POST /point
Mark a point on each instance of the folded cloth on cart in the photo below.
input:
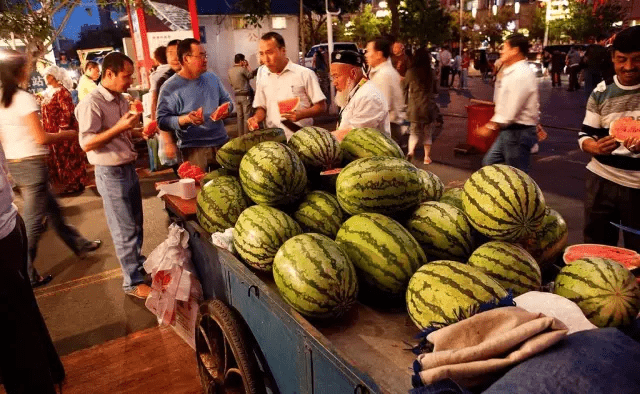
(473, 351)
(553, 305)
(224, 240)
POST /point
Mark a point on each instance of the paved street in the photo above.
(84, 304)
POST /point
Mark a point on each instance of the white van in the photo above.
(337, 46)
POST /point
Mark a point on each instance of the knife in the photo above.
(290, 125)
(625, 228)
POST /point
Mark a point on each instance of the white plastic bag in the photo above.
(164, 160)
(224, 240)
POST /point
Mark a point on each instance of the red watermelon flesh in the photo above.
(288, 105)
(626, 257)
(220, 111)
(136, 107)
(624, 128)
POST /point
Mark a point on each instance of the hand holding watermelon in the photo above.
(196, 117)
(135, 107)
(602, 146)
(221, 112)
(252, 123)
(151, 129)
(288, 107)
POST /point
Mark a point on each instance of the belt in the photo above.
(518, 126)
(29, 158)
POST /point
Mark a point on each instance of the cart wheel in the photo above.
(226, 366)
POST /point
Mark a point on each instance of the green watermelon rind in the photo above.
(230, 155)
(219, 203)
(433, 186)
(319, 212)
(368, 142)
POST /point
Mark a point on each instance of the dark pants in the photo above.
(444, 76)
(29, 362)
(556, 78)
(512, 147)
(607, 202)
(591, 79)
(573, 77)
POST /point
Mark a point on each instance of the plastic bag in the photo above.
(224, 240)
(164, 160)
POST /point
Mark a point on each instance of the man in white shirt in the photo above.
(517, 108)
(388, 81)
(445, 66)
(361, 103)
(285, 80)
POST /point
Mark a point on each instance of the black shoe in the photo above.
(89, 247)
(41, 281)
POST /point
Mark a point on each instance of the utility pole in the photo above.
(301, 26)
(333, 109)
(460, 47)
(545, 41)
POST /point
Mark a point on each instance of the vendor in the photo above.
(361, 103)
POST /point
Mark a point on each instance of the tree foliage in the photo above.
(423, 22)
(588, 20)
(494, 27)
(365, 26)
(538, 26)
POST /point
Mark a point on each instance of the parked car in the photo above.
(337, 46)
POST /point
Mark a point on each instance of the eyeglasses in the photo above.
(201, 56)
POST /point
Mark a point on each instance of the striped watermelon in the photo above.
(314, 276)
(453, 197)
(503, 203)
(445, 292)
(443, 231)
(215, 174)
(368, 142)
(272, 174)
(386, 185)
(319, 212)
(230, 154)
(606, 292)
(317, 148)
(432, 186)
(508, 264)
(219, 203)
(259, 233)
(549, 240)
(384, 252)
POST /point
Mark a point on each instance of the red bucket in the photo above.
(479, 115)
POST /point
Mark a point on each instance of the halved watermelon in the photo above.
(627, 257)
(624, 128)
(288, 105)
(220, 112)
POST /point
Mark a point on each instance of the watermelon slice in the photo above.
(199, 113)
(220, 112)
(136, 107)
(151, 129)
(626, 257)
(288, 105)
(624, 128)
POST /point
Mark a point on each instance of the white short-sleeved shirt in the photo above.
(293, 81)
(17, 139)
(367, 107)
(389, 83)
(516, 96)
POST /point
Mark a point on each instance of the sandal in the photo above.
(427, 161)
(41, 281)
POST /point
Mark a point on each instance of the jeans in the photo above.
(29, 362)
(120, 190)
(31, 176)
(243, 112)
(463, 78)
(512, 147)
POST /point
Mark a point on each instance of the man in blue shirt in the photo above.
(185, 105)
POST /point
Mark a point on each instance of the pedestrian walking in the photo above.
(399, 58)
(598, 65)
(557, 67)
(516, 111)
(161, 66)
(388, 81)
(445, 66)
(239, 76)
(464, 69)
(417, 88)
(573, 67)
(455, 69)
(613, 176)
(321, 66)
(88, 80)
(282, 80)
(483, 65)
(361, 103)
(186, 102)
(106, 134)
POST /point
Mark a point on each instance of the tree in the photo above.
(538, 26)
(588, 20)
(365, 26)
(494, 27)
(467, 26)
(423, 22)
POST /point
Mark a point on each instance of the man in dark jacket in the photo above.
(557, 65)
(599, 65)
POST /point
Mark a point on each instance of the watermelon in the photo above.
(230, 154)
(508, 264)
(624, 128)
(549, 240)
(432, 186)
(368, 142)
(150, 129)
(442, 230)
(606, 292)
(219, 203)
(318, 149)
(314, 276)
(453, 197)
(445, 292)
(319, 212)
(627, 257)
(215, 174)
(199, 113)
(386, 185)
(220, 111)
(384, 252)
(272, 174)
(503, 203)
(135, 107)
(288, 105)
(259, 233)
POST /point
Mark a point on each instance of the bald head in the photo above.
(342, 74)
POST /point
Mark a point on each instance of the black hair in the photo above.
(238, 58)
(628, 40)
(173, 43)
(115, 62)
(184, 48)
(519, 41)
(11, 67)
(422, 67)
(383, 45)
(160, 54)
(272, 35)
(91, 64)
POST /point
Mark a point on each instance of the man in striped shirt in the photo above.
(613, 179)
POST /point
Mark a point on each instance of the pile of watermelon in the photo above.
(388, 227)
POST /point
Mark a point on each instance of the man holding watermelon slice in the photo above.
(187, 103)
(613, 179)
(288, 96)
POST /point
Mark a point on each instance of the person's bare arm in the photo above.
(602, 146)
(41, 137)
(127, 122)
(254, 121)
